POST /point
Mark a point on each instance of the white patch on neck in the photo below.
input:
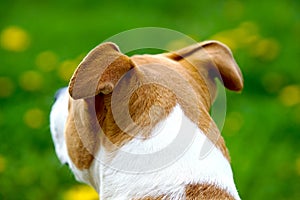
(161, 136)
(189, 168)
(58, 118)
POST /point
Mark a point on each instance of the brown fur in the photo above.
(190, 90)
(111, 64)
(205, 191)
(196, 192)
(148, 92)
(160, 197)
(77, 144)
(212, 59)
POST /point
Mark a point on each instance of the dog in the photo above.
(140, 128)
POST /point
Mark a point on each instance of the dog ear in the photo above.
(99, 71)
(215, 59)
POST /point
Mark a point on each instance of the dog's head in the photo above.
(124, 97)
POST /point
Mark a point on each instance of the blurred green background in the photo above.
(41, 42)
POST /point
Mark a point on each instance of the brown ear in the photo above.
(216, 58)
(99, 71)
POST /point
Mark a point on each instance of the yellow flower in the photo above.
(226, 39)
(290, 95)
(66, 69)
(243, 36)
(81, 192)
(46, 61)
(267, 49)
(34, 118)
(31, 80)
(14, 39)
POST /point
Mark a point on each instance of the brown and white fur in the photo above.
(116, 104)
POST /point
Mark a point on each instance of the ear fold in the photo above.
(216, 58)
(99, 71)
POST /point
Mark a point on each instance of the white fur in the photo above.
(58, 118)
(115, 176)
(169, 179)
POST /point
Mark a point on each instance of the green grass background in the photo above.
(262, 128)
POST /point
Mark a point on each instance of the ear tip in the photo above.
(237, 86)
(240, 87)
(234, 81)
(110, 45)
(240, 81)
(212, 42)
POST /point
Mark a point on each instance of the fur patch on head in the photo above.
(124, 97)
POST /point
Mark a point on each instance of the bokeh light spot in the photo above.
(226, 38)
(7, 87)
(46, 61)
(250, 26)
(266, 49)
(31, 81)
(34, 118)
(81, 192)
(14, 38)
(2, 164)
(67, 69)
(290, 95)
(241, 37)
(245, 35)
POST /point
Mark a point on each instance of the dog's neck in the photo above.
(139, 169)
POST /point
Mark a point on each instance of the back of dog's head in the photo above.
(125, 97)
(115, 103)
